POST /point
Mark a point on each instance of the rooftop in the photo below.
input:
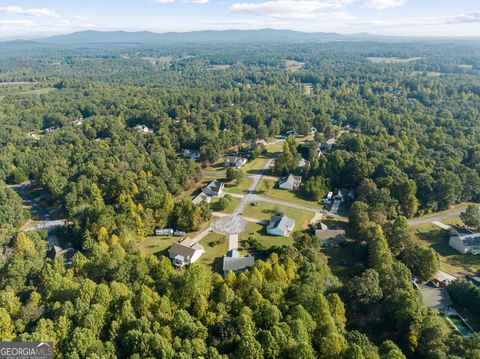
(282, 222)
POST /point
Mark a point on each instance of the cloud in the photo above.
(201, 2)
(80, 18)
(17, 10)
(164, 1)
(384, 4)
(296, 9)
(244, 23)
(423, 21)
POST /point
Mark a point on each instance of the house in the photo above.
(202, 197)
(78, 122)
(194, 155)
(329, 144)
(465, 242)
(236, 263)
(290, 182)
(214, 189)
(235, 161)
(303, 163)
(435, 298)
(262, 143)
(342, 194)
(443, 279)
(331, 237)
(163, 232)
(58, 252)
(184, 253)
(143, 128)
(34, 135)
(280, 226)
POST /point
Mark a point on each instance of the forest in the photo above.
(408, 145)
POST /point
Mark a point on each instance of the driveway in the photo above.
(439, 218)
(335, 206)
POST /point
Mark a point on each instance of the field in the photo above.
(292, 65)
(393, 60)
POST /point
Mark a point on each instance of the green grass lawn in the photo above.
(258, 231)
(231, 207)
(264, 211)
(241, 188)
(156, 245)
(274, 147)
(216, 168)
(284, 195)
(216, 245)
(253, 167)
(451, 261)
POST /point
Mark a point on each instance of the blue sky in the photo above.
(33, 18)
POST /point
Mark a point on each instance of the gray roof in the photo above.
(292, 179)
(437, 298)
(237, 263)
(214, 186)
(282, 222)
(183, 249)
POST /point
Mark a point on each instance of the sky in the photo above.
(37, 18)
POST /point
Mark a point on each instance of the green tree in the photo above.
(424, 262)
(471, 216)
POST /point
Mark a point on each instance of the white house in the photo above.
(235, 161)
(466, 243)
(194, 155)
(202, 197)
(183, 253)
(303, 163)
(290, 182)
(143, 128)
(280, 226)
(214, 189)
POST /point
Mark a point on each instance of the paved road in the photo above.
(439, 218)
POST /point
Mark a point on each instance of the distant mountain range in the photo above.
(208, 36)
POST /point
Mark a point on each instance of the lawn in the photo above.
(231, 207)
(153, 245)
(216, 245)
(264, 211)
(275, 147)
(215, 169)
(284, 195)
(451, 261)
(254, 166)
(242, 188)
(258, 231)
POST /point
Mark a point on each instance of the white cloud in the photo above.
(17, 10)
(297, 9)
(80, 18)
(422, 21)
(384, 4)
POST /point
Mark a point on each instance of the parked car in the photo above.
(178, 233)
